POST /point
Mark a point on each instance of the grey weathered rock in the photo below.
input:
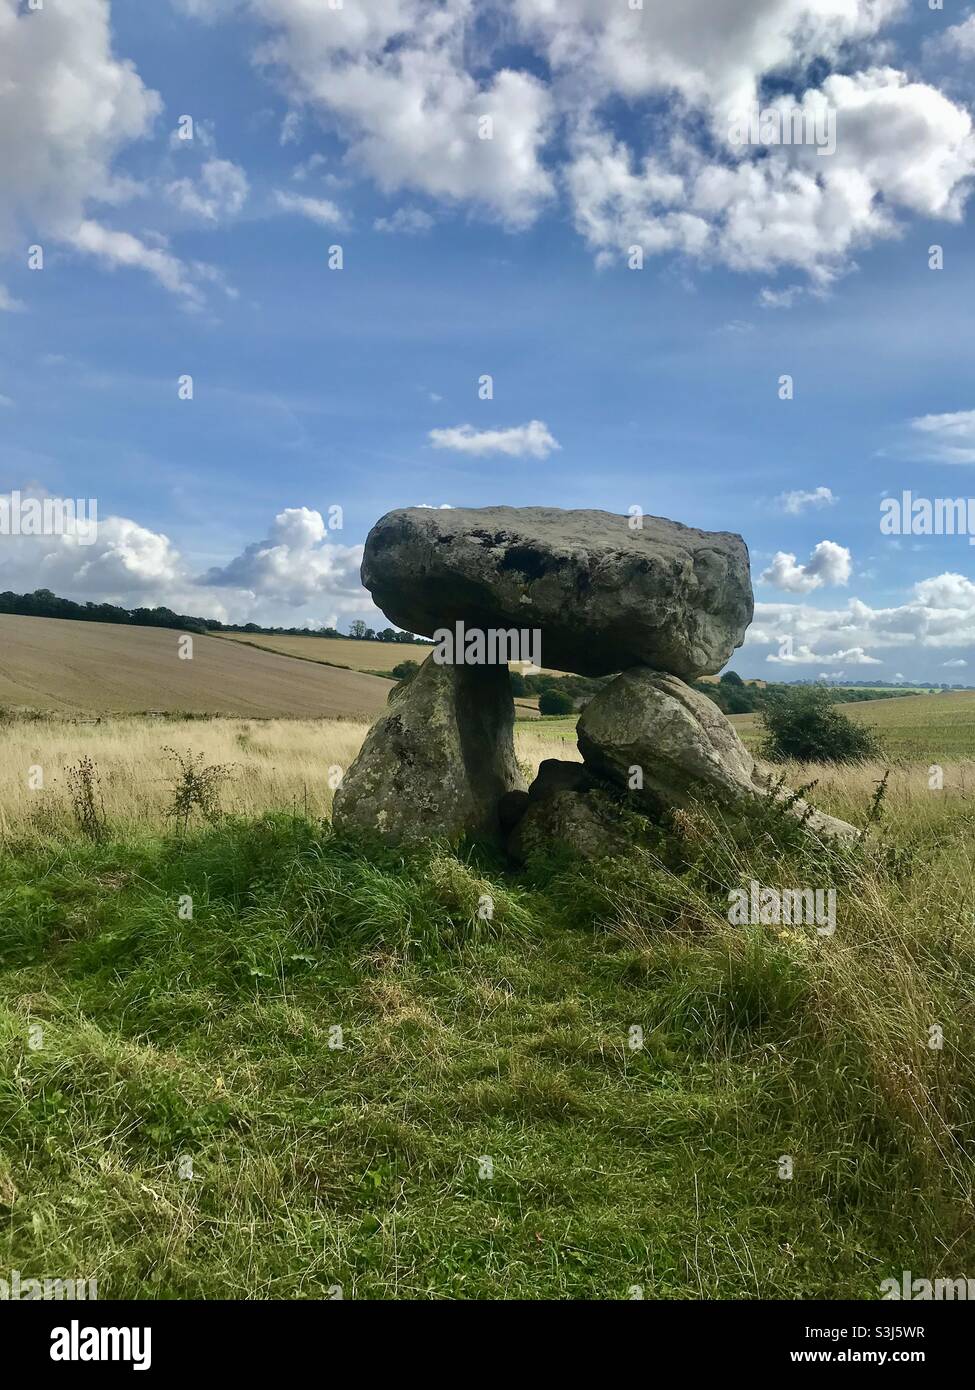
(604, 596)
(683, 744)
(587, 823)
(569, 807)
(437, 764)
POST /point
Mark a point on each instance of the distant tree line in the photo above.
(42, 603)
(361, 633)
(733, 696)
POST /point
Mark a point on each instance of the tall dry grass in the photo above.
(283, 764)
(278, 764)
(275, 764)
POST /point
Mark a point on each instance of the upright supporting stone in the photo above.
(668, 745)
(437, 765)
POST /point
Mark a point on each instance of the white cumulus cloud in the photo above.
(500, 106)
(296, 567)
(295, 563)
(829, 563)
(395, 77)
(533, 440)
(795, 502)
(957, 41)
(939, 614)
(409, 221)
(69, 106)
(803, 656)
(116, 249)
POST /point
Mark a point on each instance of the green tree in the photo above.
(554, 702)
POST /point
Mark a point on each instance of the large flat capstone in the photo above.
(604, 595)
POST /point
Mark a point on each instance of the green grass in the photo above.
(358, 1166)
(557, 727)
(893, 693)
(932, 728)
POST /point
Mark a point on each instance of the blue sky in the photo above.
(316, 388)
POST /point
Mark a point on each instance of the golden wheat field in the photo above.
(274, 764)
(287, 764)
(100, 668)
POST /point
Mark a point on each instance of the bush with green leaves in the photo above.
(196, 788)
(555, 702)
(804, 725)
(405, 670)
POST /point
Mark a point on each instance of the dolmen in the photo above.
(650, 601)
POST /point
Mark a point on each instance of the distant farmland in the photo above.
(54, 665)
(357, 656)
(932, 727)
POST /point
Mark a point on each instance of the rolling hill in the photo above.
(99, 668)
(921, 727)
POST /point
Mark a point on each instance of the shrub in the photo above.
(554, 702)
(197, 788)
(404, 670)
(84, 785)
(805, 725)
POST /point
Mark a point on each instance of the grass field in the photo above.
(931, 727)
(336, 1073)
(100, 668)
(285, 764)
(273, 765)
(180, 1118)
